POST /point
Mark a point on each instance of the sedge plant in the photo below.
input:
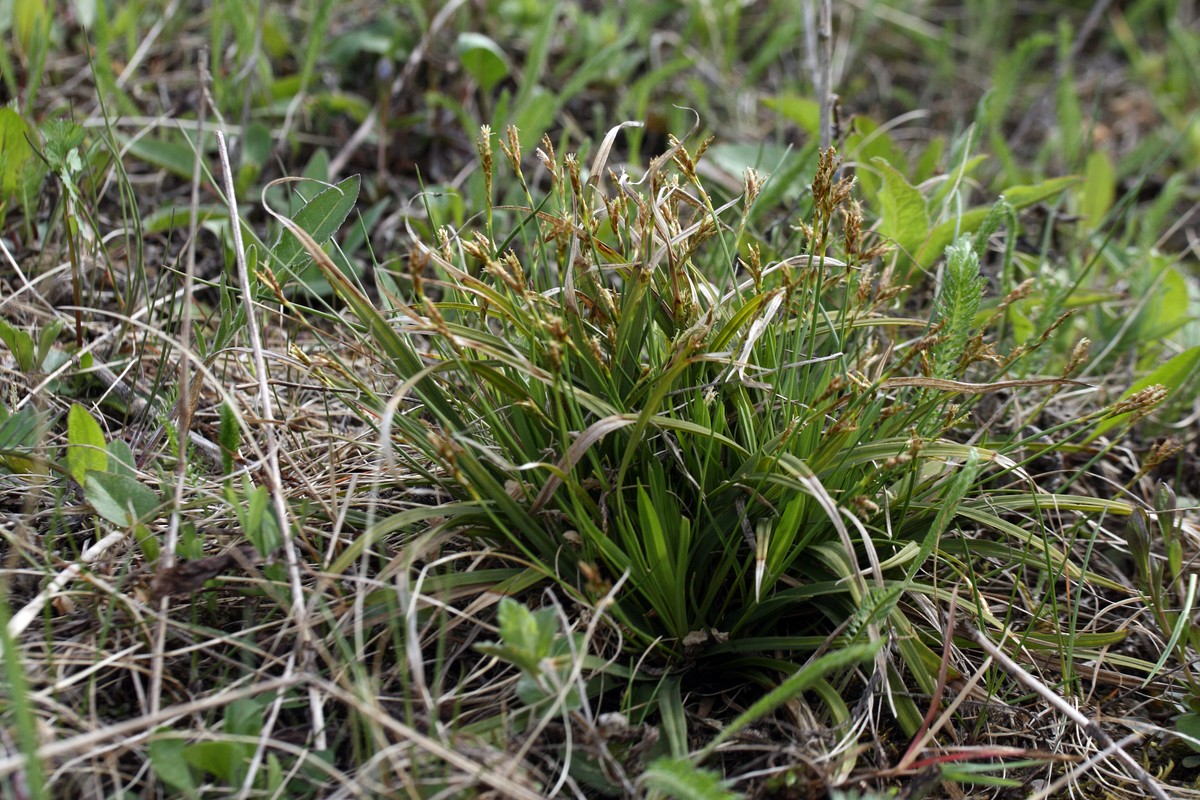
(766, 458)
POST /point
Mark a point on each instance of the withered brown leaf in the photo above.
(187, 577)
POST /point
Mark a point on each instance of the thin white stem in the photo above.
(299, 609)
(1089, 727)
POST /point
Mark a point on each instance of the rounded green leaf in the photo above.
(483, 58)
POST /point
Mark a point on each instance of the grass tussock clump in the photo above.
(751, 472)
(352, 444)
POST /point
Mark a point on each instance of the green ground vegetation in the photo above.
(514, 398)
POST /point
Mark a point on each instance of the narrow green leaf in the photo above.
(947, 509)
(653, 537)
(674, 718)
(1179, 623)
(1098, 190)
(19, 708)
(147, 542)
(229, 437)
(1027, 195)
(258, 522)
(30, 22)
(86, 448)
(798, 682)
(959, 773)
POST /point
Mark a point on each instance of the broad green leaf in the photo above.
(16, 154)
(904, 217)
(86, 12)
(174, 156)
(1017, 196)
(20, 344)
(120, 459)
(86, 449)
(121, 500)
(45, 346)
(866, 142)
(734, 158)
(244, 717)
(945, 232)
(803, 111)
(931, 159)
(532, 631)
(681, 779)
(1098, 190)
(63, 138)
(1189, 725)
(257, 143)
(536, 688)
(19, 435)
(225, 760)
(166, 759)
(258, 522)
(483, 58)
(960, 172)
(1166, 309)
(274, 785)
(320, 218)
(317, 168)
